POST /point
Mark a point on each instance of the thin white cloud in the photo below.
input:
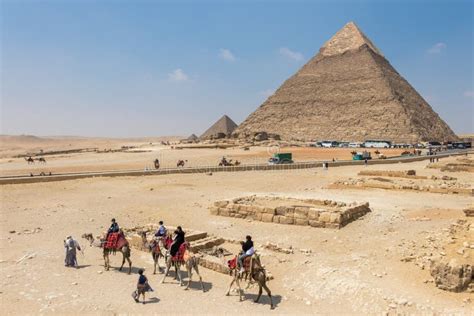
(267, 93)
(178, 75)
(469, 94)
(226, 55)
(437, 48)
(288, 53)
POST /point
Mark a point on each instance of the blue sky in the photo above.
(149, 68)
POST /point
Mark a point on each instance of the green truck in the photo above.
(280, 158)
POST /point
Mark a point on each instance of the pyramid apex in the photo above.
(349, 37)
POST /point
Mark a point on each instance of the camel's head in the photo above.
(89, 237)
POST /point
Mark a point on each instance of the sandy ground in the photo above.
(354, 270)
(143, 156)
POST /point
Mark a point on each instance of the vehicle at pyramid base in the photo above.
(377, 144)
(362, 156)
(281, 158)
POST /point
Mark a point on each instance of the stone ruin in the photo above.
(291, 211)
(411, 174)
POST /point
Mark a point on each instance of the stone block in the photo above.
(214, 210)
(280, 210)
(268, 218)
(336, 218)
(313, 214)
(276, 218)
(290, 212)
(224, 212)
(269, 210)
(221, 203)
(257, 216)
(301, 212)
(287, 220)
(325, 217)
(315, 223)
(302, 222)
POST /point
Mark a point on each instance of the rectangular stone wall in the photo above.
(330, 216)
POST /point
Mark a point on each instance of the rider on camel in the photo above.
(247, 251)
(114, 228)
(161, 232)
(177, 242)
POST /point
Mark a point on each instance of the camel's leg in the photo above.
(264, 285)
(259, 293)
(106, 261)
(168, 266)
(196, 267)
(123, 261)
(230, 286)
(240, 289)
(129, 264)
(189, 269)
(178, 273)
(155, 262)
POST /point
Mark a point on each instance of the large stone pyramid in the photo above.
(347, 92)
(222, 128)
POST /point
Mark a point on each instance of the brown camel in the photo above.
(125, 250)
(41, 160)
(30, 160)
(156, 248)
(190, 261)
(256, 272)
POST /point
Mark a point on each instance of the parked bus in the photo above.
(377, 144)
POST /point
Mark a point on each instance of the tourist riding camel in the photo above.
(71, 245)
(177, 241)
(247, 251)
(161, 232)
(114, 228)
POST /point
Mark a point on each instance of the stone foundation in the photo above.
(290, 211)
(410, 174)
(452, 276)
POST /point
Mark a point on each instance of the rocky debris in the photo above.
(275, 247)
(469, 211)
(410, 174)
(432, 187)
(26, 257)
(447, 254)
(452, 276)
(291, 211)
(444, 178)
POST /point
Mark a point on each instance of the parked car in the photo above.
(355, 145)
(329, 144)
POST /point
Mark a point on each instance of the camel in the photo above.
(256, 272)
(155, 247)
(125, 250)
(30, 160)
(190, 261)
(228, 163)
(181, 163)
(41, 160)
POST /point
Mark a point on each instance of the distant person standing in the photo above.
(71, 255)
(366, 161)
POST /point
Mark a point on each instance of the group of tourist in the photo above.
(72, 246)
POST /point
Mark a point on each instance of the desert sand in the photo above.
(360, 268)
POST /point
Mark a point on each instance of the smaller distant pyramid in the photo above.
(220, 129)
(192, 138)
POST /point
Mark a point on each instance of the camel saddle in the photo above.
(115, 241)
(232, 264)
(180, 256)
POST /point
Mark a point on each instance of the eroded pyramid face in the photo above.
(347, 92)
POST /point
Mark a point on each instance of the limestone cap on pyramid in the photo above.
(350, 37)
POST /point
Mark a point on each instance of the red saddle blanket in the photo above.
(232, 264)
(180, 255)
(115, 241)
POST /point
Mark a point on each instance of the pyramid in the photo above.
(220, 129)
(192, 138)
(347, 92)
